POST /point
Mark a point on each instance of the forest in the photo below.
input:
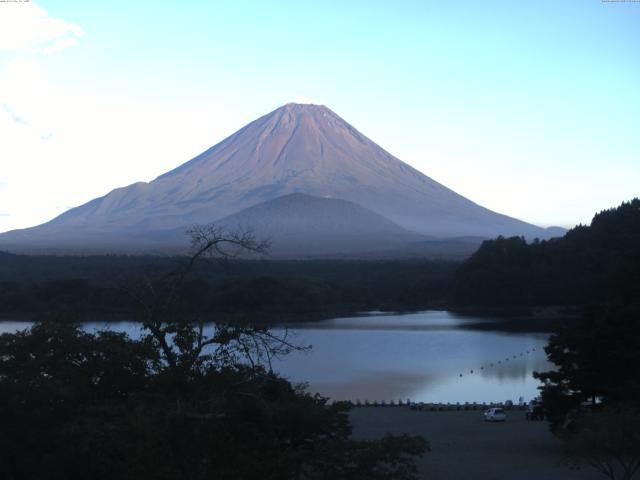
(590, 264)
(261, 290)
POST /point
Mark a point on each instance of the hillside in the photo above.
(590, 264)
(303, 224)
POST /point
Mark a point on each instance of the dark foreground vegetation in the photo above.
(75, 405)
(176, 404)
(592, 399)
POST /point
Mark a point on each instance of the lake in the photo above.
(426, 356)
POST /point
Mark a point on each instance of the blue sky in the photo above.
(529, 108)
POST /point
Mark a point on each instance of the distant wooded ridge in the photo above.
(590, 264)
(598, 263)
(85, 288)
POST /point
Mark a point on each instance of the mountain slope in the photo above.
(300, 223)
(294, 149)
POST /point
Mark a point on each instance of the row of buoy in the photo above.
(522, 354)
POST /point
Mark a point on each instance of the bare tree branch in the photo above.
(183, 341)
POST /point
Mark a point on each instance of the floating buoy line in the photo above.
(521, 354)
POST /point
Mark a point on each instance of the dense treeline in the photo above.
(592, 397)
(590, 264)
(86, 287)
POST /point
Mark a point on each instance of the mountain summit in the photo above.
(294, 149)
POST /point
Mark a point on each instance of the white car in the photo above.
(495, 415)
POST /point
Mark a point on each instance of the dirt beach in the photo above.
(465, 447)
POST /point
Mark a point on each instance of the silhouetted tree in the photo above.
(592, 399)
(608, 441)
(182, 402)
(596, 362)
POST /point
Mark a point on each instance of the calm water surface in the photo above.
(418, 356)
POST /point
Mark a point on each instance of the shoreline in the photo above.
(542, 319)
(438, 406)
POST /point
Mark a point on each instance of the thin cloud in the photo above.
(26, 108)
(28, 27)
(12, 115)
(61, 44)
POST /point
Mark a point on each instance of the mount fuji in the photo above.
(302, 162)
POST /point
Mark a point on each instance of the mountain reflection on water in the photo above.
(426, 356)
